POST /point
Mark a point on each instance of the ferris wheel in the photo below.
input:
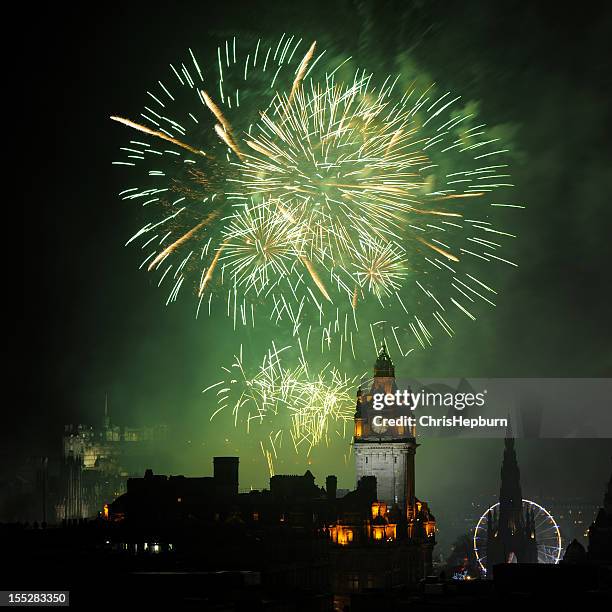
(548, 536)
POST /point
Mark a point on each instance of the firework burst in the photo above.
(280, 183)
(261, 247)
(379, 268)
(312, 408)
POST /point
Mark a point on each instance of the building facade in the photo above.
(383, 536)
(378, 536)
(388, 457)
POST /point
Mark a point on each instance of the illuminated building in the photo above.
(378, 536)
(573, 514)
(94, 444)
(383, 536)
(387, 454)
(97, 461)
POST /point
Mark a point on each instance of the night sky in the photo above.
(95, 324)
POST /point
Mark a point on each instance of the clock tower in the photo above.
(388, 455)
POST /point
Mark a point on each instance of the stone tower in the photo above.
(511, 536)
(388, 455)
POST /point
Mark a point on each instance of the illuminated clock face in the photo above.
(379, 429)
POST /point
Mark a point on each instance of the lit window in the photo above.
(379, 533)
(344, 536)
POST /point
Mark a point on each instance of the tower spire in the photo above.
(384, 366)
(510, 490)
(514, 535)
(387, 455)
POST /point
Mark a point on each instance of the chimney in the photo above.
(331, 487)
(225, 473)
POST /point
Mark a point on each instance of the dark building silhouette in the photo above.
(42, 486)
(575, 553)
(331, 488)
(600, 531)
(298, 535)
(159, 500)
(511, 534)
(225, 474)
(72, 496)
(287, 486)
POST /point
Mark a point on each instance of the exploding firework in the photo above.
(379, 268)
(280, 183)
(280, 400)
(260, 248)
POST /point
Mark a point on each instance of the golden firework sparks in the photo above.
(211, 270)
(261, 149)
(184, 238)
(216, 111)
(228, 140)
(315, 277)
(302, 71)
(146, 130)
(437, 249)
(457, 196)
(358, 182)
